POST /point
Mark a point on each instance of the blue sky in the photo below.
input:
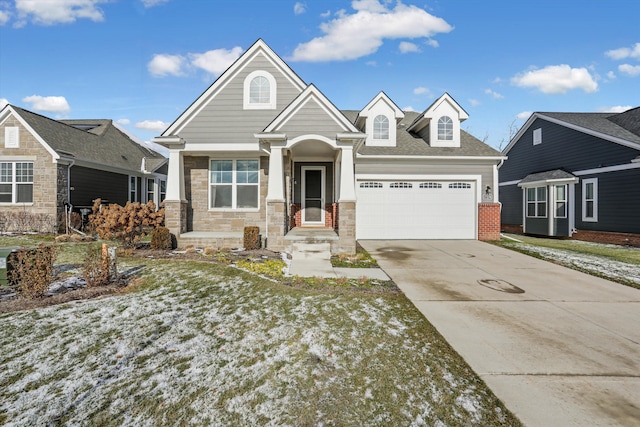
(143, 62)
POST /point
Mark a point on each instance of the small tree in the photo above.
(125, 223)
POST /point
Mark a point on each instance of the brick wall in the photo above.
(489, 221)
(607, 237)
(330, 216)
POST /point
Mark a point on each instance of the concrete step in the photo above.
(306, 250)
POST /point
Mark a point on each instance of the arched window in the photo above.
(259, 91)
(445, 128)
(381, 127)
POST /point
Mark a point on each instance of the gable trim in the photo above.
(9, 111)
(591, 132)
(225, 78)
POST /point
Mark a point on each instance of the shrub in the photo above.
(24, 222)
(270, 268)
(251, 237)
(125, 224)
(31, 270)
(161, 239)
(95, 269)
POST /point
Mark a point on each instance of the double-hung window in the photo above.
(590, 200)
(151, 186)
(537, 202)
(234, 184)
(561, 201)
(16, 182)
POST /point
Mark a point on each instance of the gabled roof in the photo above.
(423, 119)
(621, 128)
(364, 113)
(311, 93)
(546, 177)
(259, 47)
(411, 144)
(95, 141)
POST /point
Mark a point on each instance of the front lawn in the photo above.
(201, 343)
(617, 263)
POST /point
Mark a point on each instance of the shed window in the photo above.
(537, 202)
(381, 127)
(445, 128)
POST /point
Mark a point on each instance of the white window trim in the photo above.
(151, 189)
(537, 136)
(271, 105)
(556, 201)
(593, 181)
(14, 184)
(234, 186)
(373, 133)
(133, 188)
(536, 202)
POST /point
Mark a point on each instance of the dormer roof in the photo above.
(425, 117)
(380, 97)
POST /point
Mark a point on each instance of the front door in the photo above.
(313, 195)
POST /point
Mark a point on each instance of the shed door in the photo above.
(416, 210)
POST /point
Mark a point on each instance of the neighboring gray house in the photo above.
(48, 164)
(570, 173)
(261, 147)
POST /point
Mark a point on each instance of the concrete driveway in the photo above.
(558, 347)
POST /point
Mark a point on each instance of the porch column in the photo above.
(175, 205)
(347, 177)
(275, 191)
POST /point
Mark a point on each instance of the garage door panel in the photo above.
(416, 210)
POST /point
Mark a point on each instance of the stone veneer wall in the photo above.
(346, 229)
(200, 218)
(44, 172)
(276, 215)
(489, 221)
(175, 216)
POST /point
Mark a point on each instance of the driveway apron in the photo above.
(558, 347)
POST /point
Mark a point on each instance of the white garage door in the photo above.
(416, 209)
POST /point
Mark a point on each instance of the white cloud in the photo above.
(524, 115)
(351, 36)
(624, 52)
(163, 65)
(371, 63)
(408, 108)
(152, 3)
(433, 43)
(494, 94)
(611, 75)
(615, 109)
(631, 70)
(215, 61)
(326, 14)
(556, 79)
(299, 8)
(52, 12)
(474, 102)
(420, 90)
(153, 125)
(52, 104)
(4, 16)
(123, 122)
(3, 103)
(406, 47)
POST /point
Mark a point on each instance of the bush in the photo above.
(161, 239)
(251, 237)
(25, 222)
(95, 269)
(31, 270)
(125, 224)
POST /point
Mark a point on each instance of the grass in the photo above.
(361, 259)
(202, 343)
(612, 262)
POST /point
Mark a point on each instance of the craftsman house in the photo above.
(48, 166)
(574, 174)
(261, 147)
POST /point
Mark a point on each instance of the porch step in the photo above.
(311, 251)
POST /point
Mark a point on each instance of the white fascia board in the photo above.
(404, 157)
(218, 147)
(398, 113)
(221, 82)
(106, 167)
(520, 132)
(267, 136)
(549, 182)
(626, 166)
(514, 182)
(348, 136)
(170, 142)
(8, 111)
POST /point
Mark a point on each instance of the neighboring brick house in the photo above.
(47, 165)
(261, 147)
(574, 175)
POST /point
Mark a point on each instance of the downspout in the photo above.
(68, 213)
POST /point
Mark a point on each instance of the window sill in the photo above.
(589, 220)
(19, 205)
(234, 210)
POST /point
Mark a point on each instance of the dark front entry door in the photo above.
(313, 195)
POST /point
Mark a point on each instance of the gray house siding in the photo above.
(511, 198)
(90, 184)
(225, 120)
(561, 148)
(538, 226)
(311, 119)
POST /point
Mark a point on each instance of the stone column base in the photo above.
(276, 225)
(346, 228)
(175, 216)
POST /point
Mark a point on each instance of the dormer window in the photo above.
(445, 128)
(381, 127)
(259, 91)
